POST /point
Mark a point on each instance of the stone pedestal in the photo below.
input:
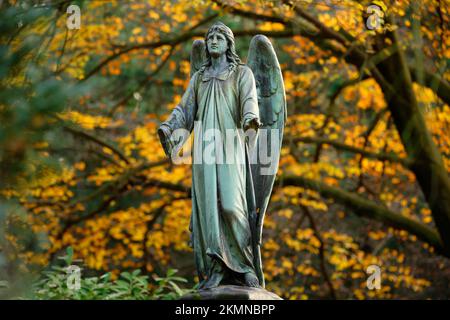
(231, 292)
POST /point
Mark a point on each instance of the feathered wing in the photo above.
(197, 55)
(263, 61)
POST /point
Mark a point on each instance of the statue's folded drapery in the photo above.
(220, 218)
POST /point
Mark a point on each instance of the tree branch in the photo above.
(368, 154)
(97, 140)
(323, 267)
(370, 209)
(170, 41)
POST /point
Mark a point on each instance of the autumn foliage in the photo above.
(363, 176)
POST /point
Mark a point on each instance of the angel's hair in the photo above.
(231, 54)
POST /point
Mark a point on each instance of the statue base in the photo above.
(232, 292)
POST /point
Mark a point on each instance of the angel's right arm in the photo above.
(182, 117)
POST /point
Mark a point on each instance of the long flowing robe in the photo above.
(220, 217)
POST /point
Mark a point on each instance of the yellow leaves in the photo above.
(297, 293)
(425, 211)
(88, 121)
(153, 15)
(425, 96)
(295, 249)
(287, 213)
(136, 31)
(181, 17)
(352, 171)
(185, 66)
(294, 244)
(80, 166)
(271, 245)
(173, 232)
(269, 223)
(304, 241)
(372, 165)
(286, 264)
(165, 27)
(103, 174)
(368, 93)
(304, 233)
(303, 50)
(329, 20)
(271, 26)
(427, 219)
(387, 197)
(297, 83)
(315, 170)
(377, 235)
(298, 195)
(178, 82)
(307, 270)
(317, 205)
(144, 141)
(358, 293)
(304, 124)
(136, 250)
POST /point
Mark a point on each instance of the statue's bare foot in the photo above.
(214, 281)
(251, 280)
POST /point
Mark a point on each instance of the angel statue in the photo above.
(229, 198)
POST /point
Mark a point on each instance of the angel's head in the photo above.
(220, 40)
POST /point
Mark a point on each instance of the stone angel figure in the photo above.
(230, 198)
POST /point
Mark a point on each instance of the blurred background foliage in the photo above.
(363, 177)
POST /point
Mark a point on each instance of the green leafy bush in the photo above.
(55, 284)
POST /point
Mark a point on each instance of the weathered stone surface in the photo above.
(231, 292)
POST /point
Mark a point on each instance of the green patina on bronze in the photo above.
(229, 199)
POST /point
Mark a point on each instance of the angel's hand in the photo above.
(164, 134)
(254, 124)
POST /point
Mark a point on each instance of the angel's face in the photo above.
(217, 44)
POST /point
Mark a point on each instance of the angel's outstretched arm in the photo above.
(248, 100)
(182, 117)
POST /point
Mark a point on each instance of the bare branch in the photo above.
(97, 140)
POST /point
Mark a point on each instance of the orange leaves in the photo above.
(132, 231)
(368, 94)
(304, 124)
(80, 166)
(271, 26)
(185, 67)
(303, 50)
(178, 82)
(329, 20)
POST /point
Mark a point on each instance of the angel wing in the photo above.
(198, 55)
(263, 61)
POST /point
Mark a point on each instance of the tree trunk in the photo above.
(425, 159)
